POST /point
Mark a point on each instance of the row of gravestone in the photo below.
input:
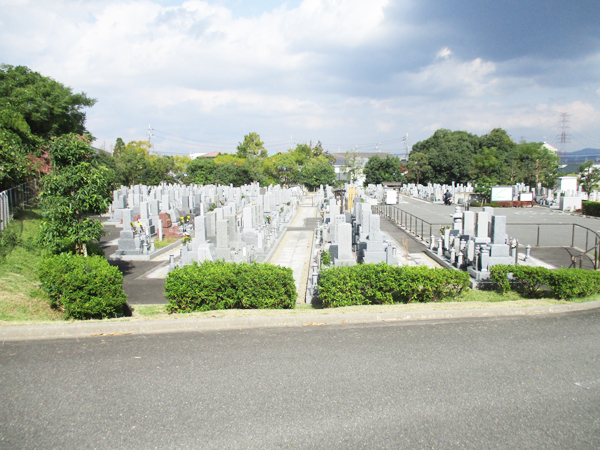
(149, 213)
(355, 236)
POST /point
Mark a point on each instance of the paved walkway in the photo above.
(295, 248)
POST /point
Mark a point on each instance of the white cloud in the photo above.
(340, 69)
(444, 53)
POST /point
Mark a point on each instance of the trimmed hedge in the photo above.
(221, 285)
(376, 284)
(590, 208)
(530, 281)
(84, 288)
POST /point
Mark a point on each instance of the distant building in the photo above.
(340, 168)
(549, 147)
(204, 155)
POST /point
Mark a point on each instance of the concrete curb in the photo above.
(80, 330)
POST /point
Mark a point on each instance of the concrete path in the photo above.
(295, 248)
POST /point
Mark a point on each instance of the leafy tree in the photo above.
(589, 176)
(281, 169)
(68, 196)
(119, 147)
(252, 146)
(70, 193)
(47, 107)
(131, 167)
(230, 173)
(538, 164)
(484, 188)
(302, 153)
(160, 169)
(201, 171)
(418, 167)
(14, 165)
(486, 164)
(70, 149)
(318, 171)
(33, 108)
(378, 170)
(353, 165)
(449, 153)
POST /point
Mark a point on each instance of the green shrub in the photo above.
(221, 285)
(574, 283)
(476, 204)
(529, 281)
(326, 258)
(84, 288)
(499, 276)
(369, 284)
(591, 208)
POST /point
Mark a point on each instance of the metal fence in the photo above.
(415, 225)
(14, 198)
(573, 235)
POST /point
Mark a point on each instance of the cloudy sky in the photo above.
(345, 72)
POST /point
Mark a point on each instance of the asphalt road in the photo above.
(525, 382)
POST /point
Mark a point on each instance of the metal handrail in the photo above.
(573, 226)
(406, 220)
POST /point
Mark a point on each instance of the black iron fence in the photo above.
(13, 198)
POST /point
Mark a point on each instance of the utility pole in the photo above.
(406, 146)
(150, 136)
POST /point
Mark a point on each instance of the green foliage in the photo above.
(119, 147)
(538, 164)
(326, 258)
(282, 169)
(530, 281)
(368, 284)
(33, 104)
(84, 288)
(70, 150)
(67, 197)
(418, 167)
(221, 285)
(14, 165)
(201, 171)
(378, 170)
(449, 153)
(317, 171)
(352, 166)
(589, 176)
(591, 208)
(574, 283)
(252, 146)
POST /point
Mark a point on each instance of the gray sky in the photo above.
(345, 72)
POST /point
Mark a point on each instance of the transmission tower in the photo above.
(564, 138)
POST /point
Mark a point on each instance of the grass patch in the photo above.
(21, 299)
(165, 242)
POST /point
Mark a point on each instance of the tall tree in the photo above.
(538, 164)
(449, 153)
(589, 176)
(418, 167)
(317, 171)
(33, 108)
(378, 170)
(252, 146)
(48, 107)
(70, 193)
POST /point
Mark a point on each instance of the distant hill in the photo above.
(581, 156)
